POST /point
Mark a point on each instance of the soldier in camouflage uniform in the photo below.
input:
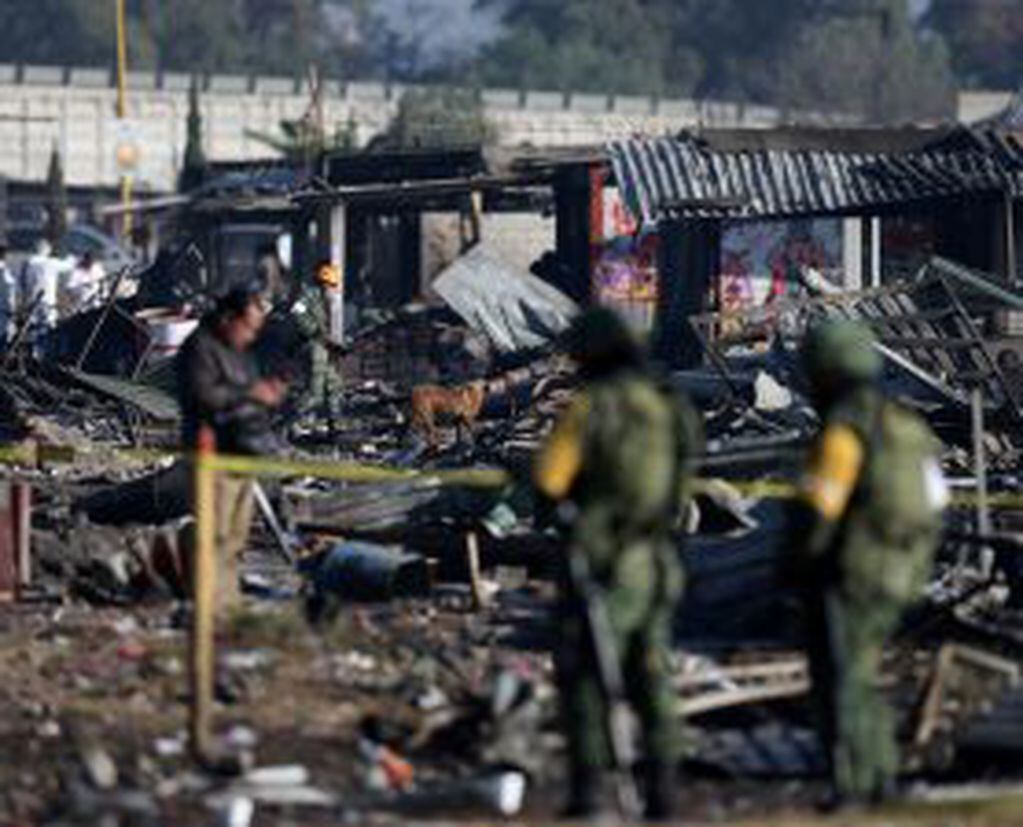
(864, 529)
(311, 312)
(617, 465)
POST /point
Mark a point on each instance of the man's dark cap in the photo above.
(236, 300)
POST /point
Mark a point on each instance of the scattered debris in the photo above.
(361, 571)
(429, 658)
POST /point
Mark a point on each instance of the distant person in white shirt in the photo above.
(83, 288)
(40, 285)
(8, 298)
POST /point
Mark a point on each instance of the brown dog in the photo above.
(432, 403)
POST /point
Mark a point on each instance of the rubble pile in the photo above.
(403, 665)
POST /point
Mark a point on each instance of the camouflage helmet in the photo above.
(843, 350)
(600, 338)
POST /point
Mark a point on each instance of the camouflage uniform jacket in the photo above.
(619, 455)
(875, 493)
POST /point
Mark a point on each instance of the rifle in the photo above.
(617, 721)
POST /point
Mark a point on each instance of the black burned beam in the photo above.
(690, 256)
(572, 191)
(520, 199)
(407, 193)
(929, 343)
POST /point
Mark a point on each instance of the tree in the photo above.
(304, 140)
(817, 53)
(737, 42)
(672, 47)
(269, 36)
(853, 56)
(193, 170)
(58, 32)
(598, 46)
(985, 38)
(56, 202)
(302, 143)
(438, 117)
(200, 36)
(866, 61)
(281, 36)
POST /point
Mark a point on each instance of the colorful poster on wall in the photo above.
(625, 276)
(616, 221)
(761, 262)
(625, 264)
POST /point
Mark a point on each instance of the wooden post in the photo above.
(338, 224)
(21, 534)
(930, 712)
(204, 589)
(980, 470)
(472, 550)
(853, 235)
(122, 109)
(689, 263)
(8, 555)
(572, 198)
(1011, 274)
(122, 60)
(876, 252)
(15, 539)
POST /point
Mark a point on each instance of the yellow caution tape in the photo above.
(356, 472)
(32, 455)
(24, 454)
(55, 454)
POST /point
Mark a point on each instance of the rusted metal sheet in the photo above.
(15, 537)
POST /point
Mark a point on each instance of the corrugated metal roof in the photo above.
(682, 176)
(1004, 146)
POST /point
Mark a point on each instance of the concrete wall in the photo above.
(518, 238)
(44, 107)
(976, 106)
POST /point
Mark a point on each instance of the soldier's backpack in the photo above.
(630, 495)
(632, 448)
(895, 517)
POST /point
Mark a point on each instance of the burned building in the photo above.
(741, 214)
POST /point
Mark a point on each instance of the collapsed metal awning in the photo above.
(925, 328)
(150, 401)
(515, 310)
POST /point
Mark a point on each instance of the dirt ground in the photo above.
(81, 682)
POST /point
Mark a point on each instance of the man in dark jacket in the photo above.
(219, 386)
